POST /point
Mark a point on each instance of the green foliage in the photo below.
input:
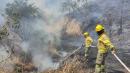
(21, 9)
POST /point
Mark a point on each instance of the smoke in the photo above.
(42, 39)
(1, 20)
(50, 7)
(39, 36)
(3, 4)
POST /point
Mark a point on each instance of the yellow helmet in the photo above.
(99, 27)
(86, 34)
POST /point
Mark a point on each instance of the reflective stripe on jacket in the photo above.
(104, 43)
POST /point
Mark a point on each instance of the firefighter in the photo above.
(88, 43)
(104, 45)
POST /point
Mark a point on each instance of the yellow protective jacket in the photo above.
(88, 41)
(104, 43)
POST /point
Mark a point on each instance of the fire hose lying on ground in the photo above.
(120, 61)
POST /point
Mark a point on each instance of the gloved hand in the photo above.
(113, 50)
(85, 55)
(83, 45)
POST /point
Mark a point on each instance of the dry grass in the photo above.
(70, 66)
(2, 70)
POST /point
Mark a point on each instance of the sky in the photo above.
(2, 7)
(3, 3)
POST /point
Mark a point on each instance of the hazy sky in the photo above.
(3, 3)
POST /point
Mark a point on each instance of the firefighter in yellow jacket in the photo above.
(104, 45)
(88, 43)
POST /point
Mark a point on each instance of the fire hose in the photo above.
(121, 62)
(66, 57)
(80, 47)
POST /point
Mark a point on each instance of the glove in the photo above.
(85, 55)
(83, 45)
(113, 50)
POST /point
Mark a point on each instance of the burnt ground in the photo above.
(77, 63)
(112, 65)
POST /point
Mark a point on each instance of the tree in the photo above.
(21, 9)
(77, 9)
(73, 5)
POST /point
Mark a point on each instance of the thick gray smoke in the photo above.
(40, 36)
